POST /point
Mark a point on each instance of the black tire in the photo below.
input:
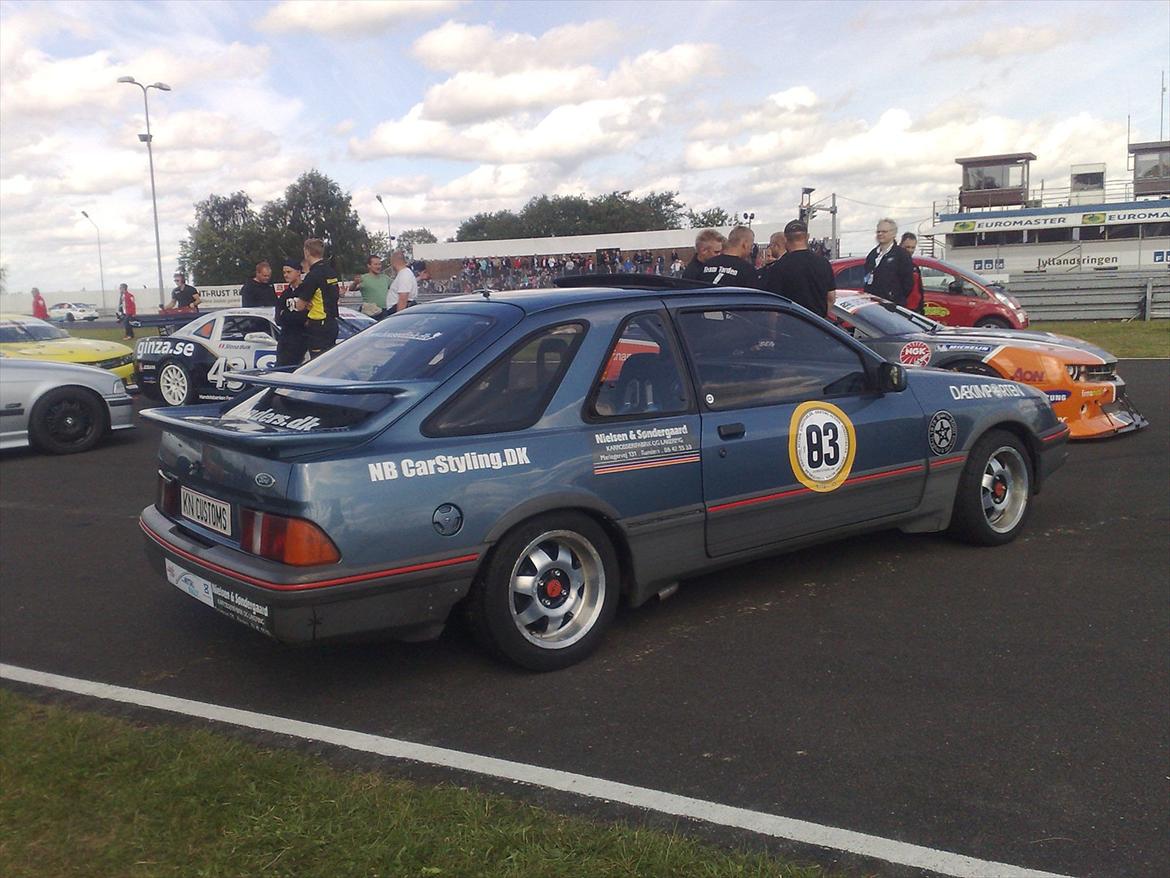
(993, 323)
(994, 497)
(175, 386)
(68, 420)
(69, 318)
(577, 590)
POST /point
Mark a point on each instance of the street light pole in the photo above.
(101, 268)
(147, 138)
(389, 237)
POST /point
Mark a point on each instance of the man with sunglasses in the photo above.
(889, 271)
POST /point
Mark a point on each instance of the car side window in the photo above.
(754, 357)
(643, 374)
(512, 393)
(235, 328)
(851, 278)
(205, 330)
(935, 280)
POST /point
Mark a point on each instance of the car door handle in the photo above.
(731, 431)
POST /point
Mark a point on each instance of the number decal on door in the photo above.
(223, 364)
(821, 445)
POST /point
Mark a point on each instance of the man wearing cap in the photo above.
(184, 295)
(317, 297)
(293, 343)
(800, 274)
(258, 291)
(403, 291)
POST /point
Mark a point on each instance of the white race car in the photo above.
(188, 365)
(67, 312)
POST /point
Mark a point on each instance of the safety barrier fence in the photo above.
(1114, 295)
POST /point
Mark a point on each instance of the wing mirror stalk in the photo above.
(891, 378)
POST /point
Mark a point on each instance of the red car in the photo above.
(954, 296)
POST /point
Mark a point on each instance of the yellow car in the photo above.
(27, 338)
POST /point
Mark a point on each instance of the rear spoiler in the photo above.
(313, 384)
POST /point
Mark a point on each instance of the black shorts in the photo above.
(292, 347)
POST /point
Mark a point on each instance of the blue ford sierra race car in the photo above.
(535, 458)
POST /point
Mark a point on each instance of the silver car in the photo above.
(60, 408)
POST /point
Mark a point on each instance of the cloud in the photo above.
(349, 17)
(1004, 42)
(455, 46)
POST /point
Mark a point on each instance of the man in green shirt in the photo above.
(373, 285)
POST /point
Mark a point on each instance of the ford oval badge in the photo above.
(265, 480)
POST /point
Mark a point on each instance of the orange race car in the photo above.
(1080, 379)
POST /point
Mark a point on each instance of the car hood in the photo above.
(1047, 342)
(67, 350)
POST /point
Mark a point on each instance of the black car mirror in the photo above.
(891, 378)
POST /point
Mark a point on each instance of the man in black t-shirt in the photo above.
(801, 275)
(184, 295)
(258, 291)
(708, 245)
(733, 267)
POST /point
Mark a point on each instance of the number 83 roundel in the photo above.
(821, 445)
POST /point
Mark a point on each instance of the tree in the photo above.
(229, 237)
(410, 237)
(712, 218)
(556, 215)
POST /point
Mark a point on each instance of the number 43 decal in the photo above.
(821, 445)
(264, 360)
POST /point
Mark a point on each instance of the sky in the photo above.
(449, 108)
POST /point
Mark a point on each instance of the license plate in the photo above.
(207, 511)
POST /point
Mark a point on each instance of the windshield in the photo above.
(874, 319)
(406, 347)
(29, 330)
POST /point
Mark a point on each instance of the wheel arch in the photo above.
(604, 515)
(1030, 441)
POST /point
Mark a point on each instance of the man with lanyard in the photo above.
(127, 308)
(184, 295)
(708, 245)
(317, 297)
(403, 292)
(889, 271)
(732, 267)
(373, 286)
(293, 342)
(40, 310)
(258, 291)
(801, 275)
(916, 301)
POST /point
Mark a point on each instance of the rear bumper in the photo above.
(410, 601)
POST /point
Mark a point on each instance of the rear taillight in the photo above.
(287, 540)
(166, 496)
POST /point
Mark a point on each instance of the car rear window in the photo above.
(405, 347)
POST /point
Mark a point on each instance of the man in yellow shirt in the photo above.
(318, 295)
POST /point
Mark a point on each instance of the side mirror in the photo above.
(259, 338)
(891, 378)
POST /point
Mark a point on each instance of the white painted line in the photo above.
(941, 862)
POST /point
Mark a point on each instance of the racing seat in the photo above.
(647, 383)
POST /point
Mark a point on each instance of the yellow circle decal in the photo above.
(821, 445)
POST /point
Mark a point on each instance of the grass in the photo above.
(84, 794)
(112, 333)
(1136, 338)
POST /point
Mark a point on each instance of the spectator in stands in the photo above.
(916, 300)
(676, 266)
(127, 309)
(628, 265)
(733, 267)
(889, 271)
(40, 309)
(373, 286)
(258, 291)
(708, 245)
(801, 275)
(404, 288)
(184, 295)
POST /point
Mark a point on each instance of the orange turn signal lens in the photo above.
(294, 541)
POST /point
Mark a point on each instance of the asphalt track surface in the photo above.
(1010, 704)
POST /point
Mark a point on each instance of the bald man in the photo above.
(733, 267)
